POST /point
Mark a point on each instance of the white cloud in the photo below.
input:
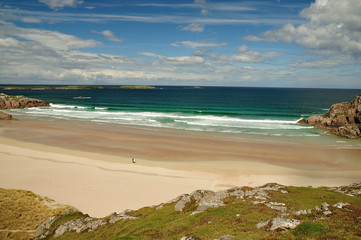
(198, 44)
(179, 61)
(110, 36)
(333, 27)
(59, 4)
(51, 39)
(30, 20)
(194, 27)
(184, 60)
(245, 55)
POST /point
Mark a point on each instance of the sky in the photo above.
(259, 43)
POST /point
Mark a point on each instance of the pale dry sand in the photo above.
(89, 165)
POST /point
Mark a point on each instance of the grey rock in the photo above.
(340, 205)
(277, 206)
(43, 227)
(262, 224)
(328, 212)
(79, 225)
(324, 206)
(226, 237)
(284, 223)
(159, 207)
(317, 208)
(190, 237)
(182, 202)
(273, 187)
(208, 199)
(236, 192)
(121, 216)
(301, 212)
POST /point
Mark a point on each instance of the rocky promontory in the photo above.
(9, 102)
(343, 119)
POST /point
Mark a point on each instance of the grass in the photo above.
(22, 211)
(238, 218)
(309, 230)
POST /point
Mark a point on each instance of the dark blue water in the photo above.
(266, 111)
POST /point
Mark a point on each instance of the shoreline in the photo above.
(88, 165)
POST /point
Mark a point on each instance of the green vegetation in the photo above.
(308, 229)
(239, 218)
(73, 87)
(22, 211)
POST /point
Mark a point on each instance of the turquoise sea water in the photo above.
(253, 111)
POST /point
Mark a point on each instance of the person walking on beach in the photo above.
(133, 160)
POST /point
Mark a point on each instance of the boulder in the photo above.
(279, 223)
(284, 223)
(208, 199)
(340, 205)
(182, 203)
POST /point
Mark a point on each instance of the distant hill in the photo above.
(74, 87)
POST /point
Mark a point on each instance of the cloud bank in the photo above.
(333, 27)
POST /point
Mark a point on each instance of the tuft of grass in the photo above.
(308, 230)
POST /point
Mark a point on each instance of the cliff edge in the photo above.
(343, 119)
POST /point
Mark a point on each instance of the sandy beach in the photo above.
(88, 165)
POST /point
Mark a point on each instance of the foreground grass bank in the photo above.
(22, 211)
(238, 213)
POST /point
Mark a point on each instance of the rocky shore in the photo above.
(343, 119)
(10, 102)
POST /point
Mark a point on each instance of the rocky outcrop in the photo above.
(8, 102)
(279, 223)
(351, 190)
(343, 119)
(205, 199)
(79, 225)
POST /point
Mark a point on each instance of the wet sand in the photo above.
(88, 165)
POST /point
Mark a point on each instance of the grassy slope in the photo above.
(22, 211)
(165, 223)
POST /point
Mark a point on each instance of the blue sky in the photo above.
(260, 43)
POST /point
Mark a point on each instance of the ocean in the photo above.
(238, 111)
